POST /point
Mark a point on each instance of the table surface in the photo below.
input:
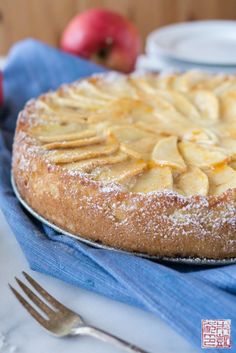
(20, 333)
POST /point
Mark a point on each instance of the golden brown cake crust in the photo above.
(161, 223)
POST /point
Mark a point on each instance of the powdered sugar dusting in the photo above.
(162, 217)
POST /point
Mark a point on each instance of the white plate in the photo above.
(203, 42)
(158, 63)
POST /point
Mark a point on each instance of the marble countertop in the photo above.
(19, 333)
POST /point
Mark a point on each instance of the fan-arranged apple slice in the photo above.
(166, 153)
(84, 152)
(78, 100)
(181, 103)
(127, 133)
(135, 141)
(91, 88)
(202, 156)
(66, 136)
(188, 81)
(132, 152)
(233, 165)
(123, 88)
(221, 179)
(228, 105)
(75, 143)
(54, 132)
(140, 149)
(193, 182)
(88, 165)
(121, 173)
(144, 84)
(154, 179)
(230, 145)
(228, 85)
(207, 104)
(201, 135)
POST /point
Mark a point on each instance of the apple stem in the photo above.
(103, 52)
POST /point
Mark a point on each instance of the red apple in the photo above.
(104, 37)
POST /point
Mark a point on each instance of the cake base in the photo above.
(180, 260)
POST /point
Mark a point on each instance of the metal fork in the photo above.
(60, 320)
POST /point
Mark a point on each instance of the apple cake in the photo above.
(144, 163)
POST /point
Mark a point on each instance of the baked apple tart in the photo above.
(141, 163)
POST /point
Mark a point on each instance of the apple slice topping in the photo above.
(81, 101)
(181, 103)
(189, 80)
(129, 133)
(193, 182)
(212, 82)
(55, 131)
(138, 131)
(75, 143)
(230, 145)
(166, 153)
(89, 165)
(67, 137)
(134, 141)
(122, 173)
(207, 104)
(228, 105)
(170, 119)
(221, 178)
(140, 149)
(122, 89)
(91, 88)
(62, 156)
(233, 165)
(131, 152)
(202, 156)
(202, 136)
(145, 84)
(228, 85)
(77, 100)
(154, 179)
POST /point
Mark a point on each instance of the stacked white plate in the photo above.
(203, 45)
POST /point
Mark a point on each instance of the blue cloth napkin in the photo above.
(181, 295)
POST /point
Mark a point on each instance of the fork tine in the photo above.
(35, 299)
(44, 293)
(29, 308)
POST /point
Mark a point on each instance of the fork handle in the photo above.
(108, 338)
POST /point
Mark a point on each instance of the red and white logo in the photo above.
(216, 333)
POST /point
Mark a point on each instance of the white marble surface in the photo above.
(19, 333)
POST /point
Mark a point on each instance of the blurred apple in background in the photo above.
(105, 37)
